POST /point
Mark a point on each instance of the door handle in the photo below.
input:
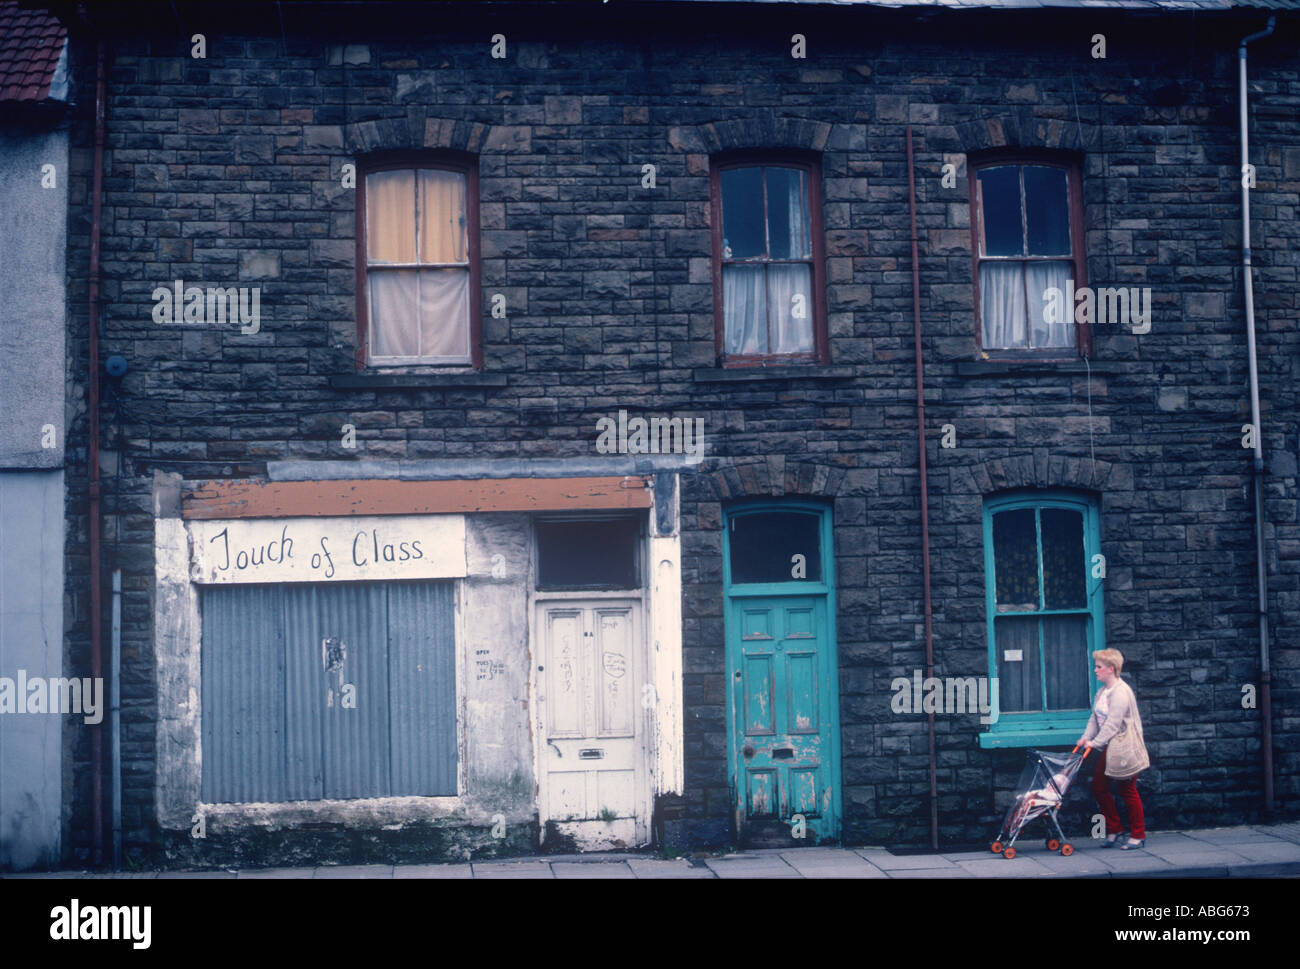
(782, 753)
(747, 751)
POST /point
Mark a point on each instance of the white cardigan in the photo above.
(1123, 709)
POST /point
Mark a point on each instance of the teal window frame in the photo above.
(1044, 728)
(745, 507)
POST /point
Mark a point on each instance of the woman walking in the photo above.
(1115, 731)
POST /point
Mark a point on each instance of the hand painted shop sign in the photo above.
(327, 549)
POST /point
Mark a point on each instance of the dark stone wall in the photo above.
(226, 171)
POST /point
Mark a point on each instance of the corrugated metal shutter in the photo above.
(329, 690)
(422, 687)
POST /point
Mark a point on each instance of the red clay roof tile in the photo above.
(31, 43)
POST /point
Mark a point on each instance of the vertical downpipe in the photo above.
(925, 492)
(93, 525)
(114, 714)
(1257, 464)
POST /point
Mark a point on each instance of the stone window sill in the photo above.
(1029, 368)
(723, 375)
(416, 381)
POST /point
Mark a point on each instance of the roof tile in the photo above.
(31, 46)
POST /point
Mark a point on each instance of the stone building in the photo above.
(518, 441)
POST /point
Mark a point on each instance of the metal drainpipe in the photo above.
(1257, 465)
(96, 599)
(115, 714)
(925, 493)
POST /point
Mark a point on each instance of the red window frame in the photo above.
(809, 162)
(1072, 165)
(452, 161)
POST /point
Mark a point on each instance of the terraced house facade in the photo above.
(581, 425)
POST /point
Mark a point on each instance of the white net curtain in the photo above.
(1024, 220)
(417, 266)
(767, 261)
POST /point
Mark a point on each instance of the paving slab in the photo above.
(668, 868)
(276, 873)
(433, 871)
(1076, 866)
(994, 867)
(1134, 862)
(1196, 858)
(62, 875)
(957, 857)
(1241, 834)
(591, 857)
(145, 875)
(200, 875)
(1289, 832)
(831, 863)
(891, 863)
(585, 869)
(1169, 839)
(955, 871)
(512, 869)
(354, 871)
(741, 866)
(1275, 850)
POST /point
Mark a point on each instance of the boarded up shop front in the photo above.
(495, 658)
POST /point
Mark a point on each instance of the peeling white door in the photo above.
(592, 751)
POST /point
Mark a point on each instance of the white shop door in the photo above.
(591, 749)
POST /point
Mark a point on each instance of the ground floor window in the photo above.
(1043, 571)
(328, 690)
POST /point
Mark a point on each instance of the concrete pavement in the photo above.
(1242, 851)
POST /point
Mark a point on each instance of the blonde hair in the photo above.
(1110, 657)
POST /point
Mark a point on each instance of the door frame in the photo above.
(644, 769)
(830, 662)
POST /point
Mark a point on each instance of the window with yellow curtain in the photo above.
(418, 267)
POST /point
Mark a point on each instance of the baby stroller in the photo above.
(1042, 788)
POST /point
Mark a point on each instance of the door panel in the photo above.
(592, 753)
(614, 654)
(780, 650)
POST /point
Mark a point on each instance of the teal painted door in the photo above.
(783, 708)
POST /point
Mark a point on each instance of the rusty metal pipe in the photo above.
(925, 491)
(96, 598)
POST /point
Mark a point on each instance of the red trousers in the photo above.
(1128, 790)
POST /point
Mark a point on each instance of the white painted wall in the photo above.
(31, 639)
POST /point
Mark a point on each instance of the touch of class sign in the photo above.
(327, 549)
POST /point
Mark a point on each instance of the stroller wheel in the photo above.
(1053, 844)
(996, 847)
(1067, 849)
(1009, 853)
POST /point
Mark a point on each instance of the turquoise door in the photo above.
(783, 700)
